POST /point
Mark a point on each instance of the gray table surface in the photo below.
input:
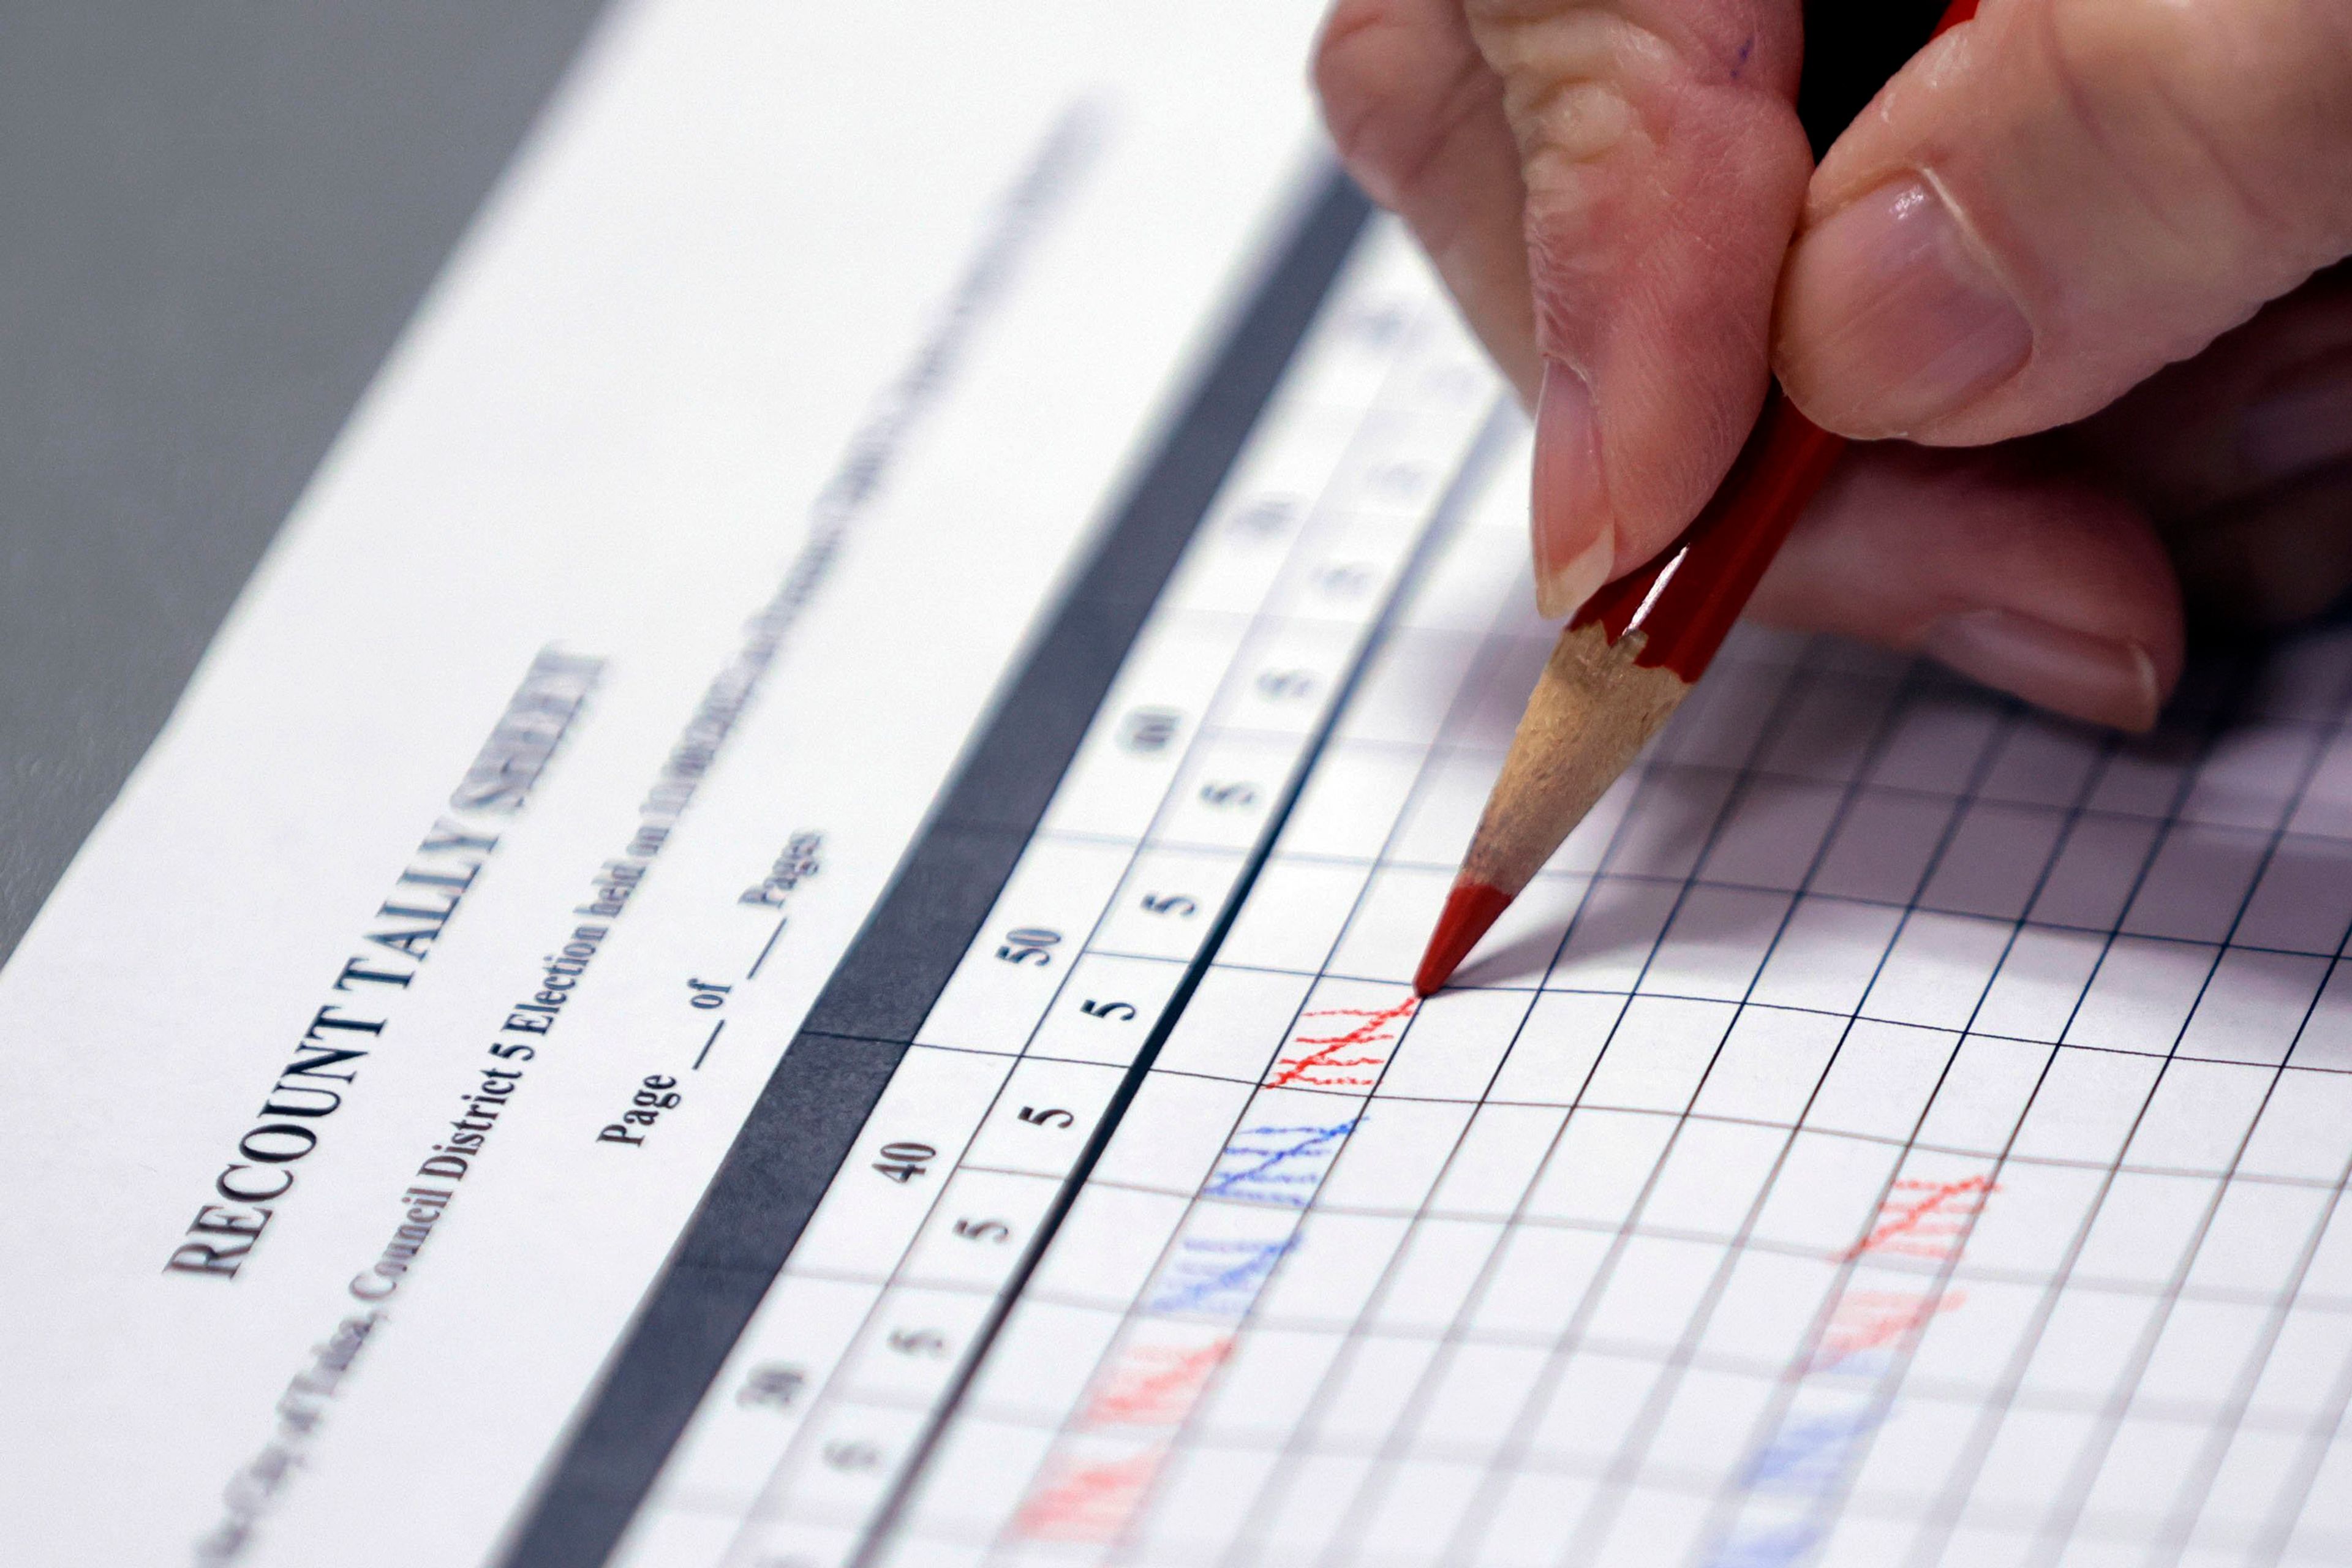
(219, 214)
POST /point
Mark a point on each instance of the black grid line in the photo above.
(1893, 1270)
(1693, 1481)
(2312, 1068)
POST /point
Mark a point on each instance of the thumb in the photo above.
(2056, 200)
(1664, 168)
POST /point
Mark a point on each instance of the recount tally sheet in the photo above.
(779, 938)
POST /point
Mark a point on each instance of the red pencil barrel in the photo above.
(1684, 601)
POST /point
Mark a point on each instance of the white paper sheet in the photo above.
(1896, 1129)
(694, 306)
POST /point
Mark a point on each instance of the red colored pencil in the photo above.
(1626, 660)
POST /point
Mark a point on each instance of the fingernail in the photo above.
(1891, 320)
(1575, 541)
(2099, 678)
(2302, 421)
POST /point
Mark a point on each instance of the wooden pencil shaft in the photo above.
(1593, 709)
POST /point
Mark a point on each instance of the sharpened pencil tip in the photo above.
(1470, 909)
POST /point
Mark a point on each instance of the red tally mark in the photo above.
(1089, 1501)
(1868, 1320)
(1924, 1219)
(1155, 1384)
(1330, 1064)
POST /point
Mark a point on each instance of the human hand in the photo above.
(2077, 256)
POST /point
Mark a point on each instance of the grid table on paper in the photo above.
(1895, 1129)
(1812, 1190)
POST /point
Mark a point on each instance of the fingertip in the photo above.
(2105, 680)
(1890, 321)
